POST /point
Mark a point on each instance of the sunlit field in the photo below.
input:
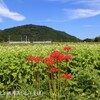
(53, 71)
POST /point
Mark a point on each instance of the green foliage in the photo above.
(97, 39)
(17, 74)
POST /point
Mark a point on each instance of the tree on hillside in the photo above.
(97, 39)
(88, 40)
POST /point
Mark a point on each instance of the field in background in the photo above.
(17, 74)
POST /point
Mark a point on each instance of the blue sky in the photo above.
(80, 18)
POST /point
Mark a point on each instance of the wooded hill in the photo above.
(96, 39)
(35, 33)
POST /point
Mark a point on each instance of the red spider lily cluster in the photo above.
(67, 76)
(57, 55)
(52, 70)
(36, 59)
(49, 61)
(67, 48)
(54, 57)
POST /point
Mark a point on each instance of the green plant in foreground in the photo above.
(54, 72)
(18, 75)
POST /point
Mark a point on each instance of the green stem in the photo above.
(59, 80)
(50, 89)
(66, 65)
(54, 88)
(38, 77)
(58, 84)
(53, 85)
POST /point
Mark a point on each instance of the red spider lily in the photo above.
(52, 70)
(57, 55)
(31, 58)
(67, 76)
(67, 48)
(68, 57)
(49, 61)
(36, 59)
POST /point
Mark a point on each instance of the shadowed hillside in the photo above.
(35, 33)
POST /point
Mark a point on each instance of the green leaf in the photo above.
(14, 74)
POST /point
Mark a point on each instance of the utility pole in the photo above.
(26, 38)
(9, 38)
(21, 38)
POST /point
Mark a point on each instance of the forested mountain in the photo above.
(96, 39)
(35, 33)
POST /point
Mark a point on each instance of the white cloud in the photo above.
(92, 8)
(90, 3)
(94, 3)
(81, 13)
(5, 12)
